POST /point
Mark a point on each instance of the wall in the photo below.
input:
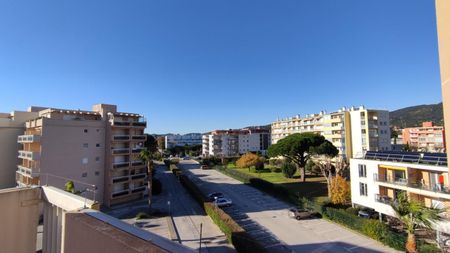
(62, 153)
(443, 29)
(19, 219)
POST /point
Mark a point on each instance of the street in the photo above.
(256, 208)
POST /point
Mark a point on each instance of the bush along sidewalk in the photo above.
(374, 229)
(235, 234)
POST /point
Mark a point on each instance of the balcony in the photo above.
(139, 124)
(28, 138)
(137, 164)
(119, 193)
(139, 189)
(121, 124)
(137, 150)
(384, 199)
(438, 188)
(29, 155)
(31, 172)
(138, 137)
(120, 179)
(121, 151)
(139, 176)
(121, 137)
(385, 179)
(118, 165)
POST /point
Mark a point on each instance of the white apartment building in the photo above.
(174, 140)
(378, 177)
(235, 142)
(11, 126)
(352, 130)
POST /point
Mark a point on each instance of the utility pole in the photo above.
(201, 227)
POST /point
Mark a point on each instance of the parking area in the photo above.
(264, 214)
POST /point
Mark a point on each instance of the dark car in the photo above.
(204, 167)
(215, 195)
(368, 213)
(301, 213)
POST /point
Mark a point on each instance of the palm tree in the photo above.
(146, 156)
(413, 215)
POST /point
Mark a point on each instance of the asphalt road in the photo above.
(255, 208)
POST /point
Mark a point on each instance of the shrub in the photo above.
(248, 160)
(352, 210)
(312, 168)
(374, 229)
(428, 248)
(276, 162)
(340, 191)
(275, 169)
(156, 187)
(288, 169)
(142, 215)
(259, 164)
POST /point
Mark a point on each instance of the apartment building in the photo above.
(428, 138)
(11, 126)
(174, 140)
(97, 150)
(378, 178)
(235, 142)
(352, 130)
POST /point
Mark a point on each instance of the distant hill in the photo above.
(415, 115)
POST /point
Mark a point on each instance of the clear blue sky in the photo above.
(191, 65)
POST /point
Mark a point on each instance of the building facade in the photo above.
(11, 126)
(378, 178)
(235, 142)
(174, 140)
(428, 138)
(352, 130)
(97, 150)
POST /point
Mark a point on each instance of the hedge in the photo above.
(235, 234)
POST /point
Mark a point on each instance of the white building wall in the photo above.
(357, 136)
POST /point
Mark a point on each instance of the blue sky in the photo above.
(202, 65)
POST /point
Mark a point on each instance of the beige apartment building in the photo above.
(11, 125)
(352, 130)
(428, 138)
(97, 150)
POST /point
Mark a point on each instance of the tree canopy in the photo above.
(300, 147)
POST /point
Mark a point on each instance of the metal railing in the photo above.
(118, 151)
(121, 137)
(390, 180)
(88, 191)
(383, 199)
(439, 188)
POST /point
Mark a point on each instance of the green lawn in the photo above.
(314, 187)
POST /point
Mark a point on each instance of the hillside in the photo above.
(415, 115)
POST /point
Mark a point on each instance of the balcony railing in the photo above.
(118, 193)
(390, 180)
(139, 124)
(139, 176)
(29, 155)
(121, 124)
(32, 172)
(139, 137)
(136, 150)
(118, 165)
(121, 137)
(383, 199)
(120, 151)
(137, 163)
(28, 138)
(139, 189)
(120, 179)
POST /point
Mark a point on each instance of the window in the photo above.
(97, 159)
(84, 161)
(85, 130)
(98, 130)
(84, 174)
(362, 170)
(97, 145)
(85, 145)
(97, 173)
(362, 189)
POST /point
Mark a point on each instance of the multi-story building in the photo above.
(174, 140)
(428, 138)
(378, 178)
(352, 131)
(90, 148)
(11, 126)
(235, 142)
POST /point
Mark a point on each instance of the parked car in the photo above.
(213, 196)
(204, 167)
(301, 213)
(368, 213)
(220, 202)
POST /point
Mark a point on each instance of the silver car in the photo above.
(220, 202)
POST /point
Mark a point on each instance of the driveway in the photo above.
(314, 235)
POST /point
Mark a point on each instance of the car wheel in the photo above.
(297, 217)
